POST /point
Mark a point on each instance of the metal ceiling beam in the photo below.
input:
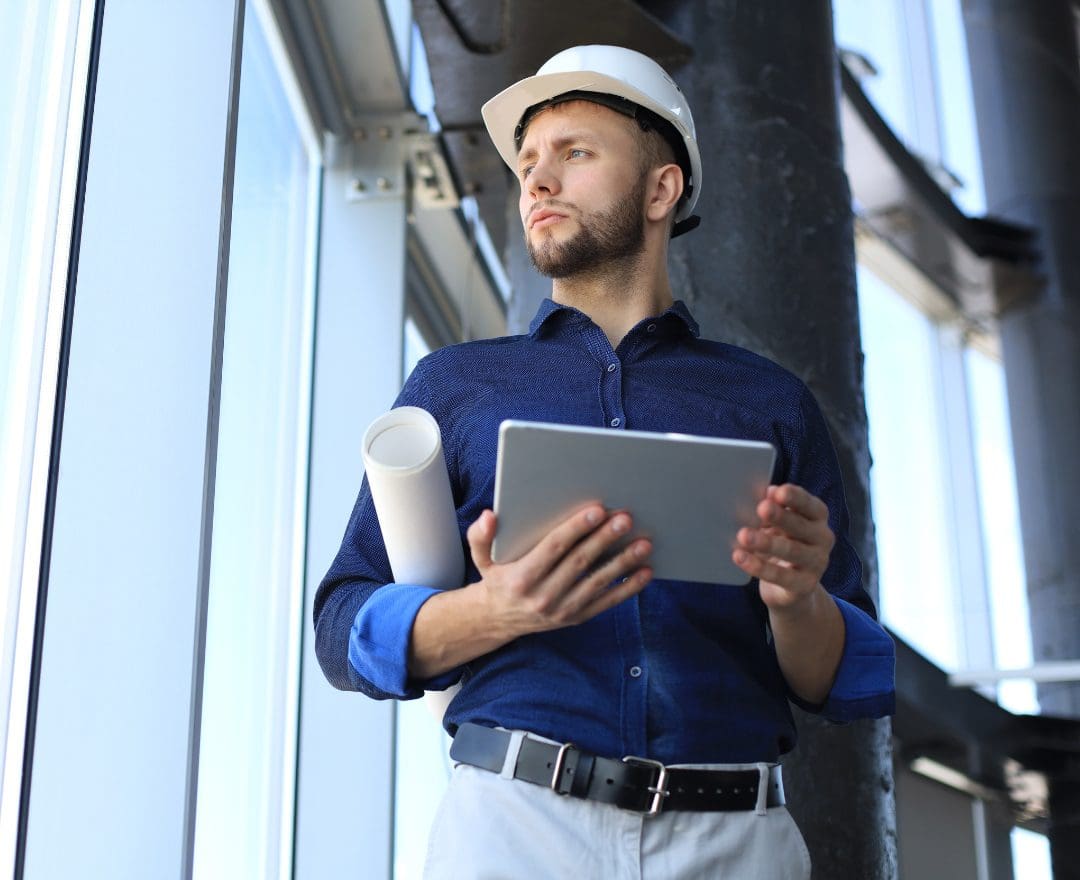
(345, 60)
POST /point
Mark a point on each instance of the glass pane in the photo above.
(917, 596)
(877, 31)
(421, 91)
(1031, 855)
(422, 747)
(956, 106)
(37, 49)
(422, 774)
(244, 823)
(399, 17)
(1000, 514)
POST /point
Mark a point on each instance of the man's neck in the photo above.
(616, 300)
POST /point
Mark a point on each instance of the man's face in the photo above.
(582, 199)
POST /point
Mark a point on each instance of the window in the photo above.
(248, 744)
(922, 85)
(1031, 855)
(956, 105)
(1000, 516)
(112, 732)
(909, 480)
(877, 31)
(922, 528)
(43, 71)
(421, 745)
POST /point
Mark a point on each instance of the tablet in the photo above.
(689, 495)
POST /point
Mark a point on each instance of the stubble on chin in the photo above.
(603, 238)
(579, 253)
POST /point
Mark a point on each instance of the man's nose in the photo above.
(542, 180)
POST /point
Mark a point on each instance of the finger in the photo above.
(795, 524)
(563, 595)
(798, 499)
(783, 548)
(480, 535)
(773, 572)
(624, 564)
(561, 540)
(620, 592)
(581, 560)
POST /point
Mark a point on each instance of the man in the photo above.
(608, 723)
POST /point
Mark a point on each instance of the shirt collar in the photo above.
(677, 316)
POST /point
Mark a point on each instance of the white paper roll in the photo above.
(410, 487)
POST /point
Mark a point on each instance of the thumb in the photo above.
(481, 534)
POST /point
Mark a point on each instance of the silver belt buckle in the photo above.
(659, 790)
(560, 763)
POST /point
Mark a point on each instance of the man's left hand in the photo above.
(789, 551)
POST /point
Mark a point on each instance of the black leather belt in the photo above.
(639, 784)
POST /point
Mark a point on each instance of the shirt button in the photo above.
(651, 328)
(635, 672)
(616, 422)
(612, 367)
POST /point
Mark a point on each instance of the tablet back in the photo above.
(688, 494)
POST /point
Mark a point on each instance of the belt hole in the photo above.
(737, 791)
(611, 782)
(719, 791)
(701, 791)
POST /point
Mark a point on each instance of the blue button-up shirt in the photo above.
(683, 672)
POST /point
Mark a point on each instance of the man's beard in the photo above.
(604, 238)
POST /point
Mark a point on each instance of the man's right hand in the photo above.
(560, 582)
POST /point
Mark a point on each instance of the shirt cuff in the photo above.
(865, 684)
(379, 641)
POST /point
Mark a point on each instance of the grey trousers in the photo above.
(492, 827)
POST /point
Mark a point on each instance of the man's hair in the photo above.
(653, 148)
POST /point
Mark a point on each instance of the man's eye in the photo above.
(526, 171)
(577, 153)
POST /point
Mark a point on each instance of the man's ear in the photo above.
(665, 189)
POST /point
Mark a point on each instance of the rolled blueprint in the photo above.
(406, 472)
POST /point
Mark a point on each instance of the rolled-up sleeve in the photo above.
(864, 686)
(379, 642)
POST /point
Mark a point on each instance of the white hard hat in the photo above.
(632, 80)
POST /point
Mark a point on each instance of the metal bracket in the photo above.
(393, 156)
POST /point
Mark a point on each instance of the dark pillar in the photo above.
(1026, 84)
(772, 268)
